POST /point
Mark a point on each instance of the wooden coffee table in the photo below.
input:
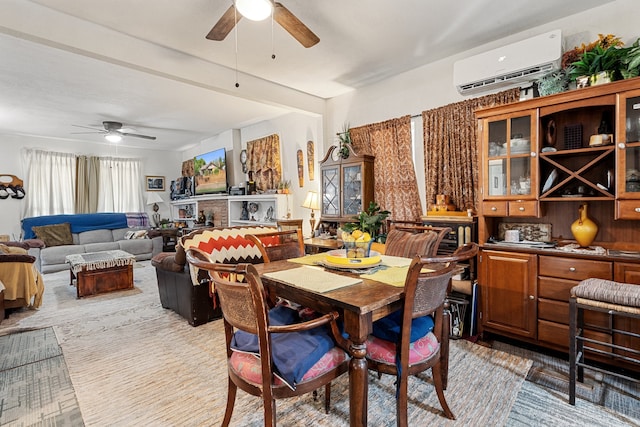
(98, 272)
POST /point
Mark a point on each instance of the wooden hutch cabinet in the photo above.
(540, 160)
(347, 185)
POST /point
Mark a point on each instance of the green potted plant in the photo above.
(600, 61)
(631, 61)
(344, 138)
(369, 221)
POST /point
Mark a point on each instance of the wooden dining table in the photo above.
(359, 305)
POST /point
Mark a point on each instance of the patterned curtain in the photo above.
(263, 162)
(450, 137)
(395, 178)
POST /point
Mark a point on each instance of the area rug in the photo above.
(35, 387)
(132, 362)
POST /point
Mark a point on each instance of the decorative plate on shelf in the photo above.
(550, 180)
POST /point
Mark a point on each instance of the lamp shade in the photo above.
(312, 201)
(255, 10)
(154, 198)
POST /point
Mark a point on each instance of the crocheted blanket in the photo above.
(99, 260)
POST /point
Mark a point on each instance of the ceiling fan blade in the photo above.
(224, 25)
(135, 135)
(294, 26)
(85, 133)
(97, 130)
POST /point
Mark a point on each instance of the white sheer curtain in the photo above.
(50, 183)
(120, 185)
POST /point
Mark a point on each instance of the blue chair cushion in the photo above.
(388, 328)
(293, 353)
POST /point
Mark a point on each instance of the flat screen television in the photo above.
(210, 172)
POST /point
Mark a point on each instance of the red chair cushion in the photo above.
(247, 366)
(383, 351)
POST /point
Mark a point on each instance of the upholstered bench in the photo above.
(184, 289)
(618, 300)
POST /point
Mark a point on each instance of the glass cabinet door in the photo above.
(628, 175)
(352, 191)
(508, 148)
(331, 191)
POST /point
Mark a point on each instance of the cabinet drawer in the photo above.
(554, 288)
(523, 208)
(497, 208)
(558, 335)
(574, 269)
(557, 311)
(628, 209)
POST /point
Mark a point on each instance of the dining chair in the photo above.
(279, 245)
(409, 241)
(293, 358)
(414, 339)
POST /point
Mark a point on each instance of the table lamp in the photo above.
(312, 201)
(154, 199)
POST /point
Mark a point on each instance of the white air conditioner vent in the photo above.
(509, 65)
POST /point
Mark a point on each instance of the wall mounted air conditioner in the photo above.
(510, 65)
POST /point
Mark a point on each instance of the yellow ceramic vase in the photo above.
(584, 230)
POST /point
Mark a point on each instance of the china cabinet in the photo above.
(584, 149)
(347, 185)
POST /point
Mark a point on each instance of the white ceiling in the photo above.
(147, 63)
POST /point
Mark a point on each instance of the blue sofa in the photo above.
(92, 232)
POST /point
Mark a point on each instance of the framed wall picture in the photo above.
(154, 183)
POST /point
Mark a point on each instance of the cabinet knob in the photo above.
(493, 208)
(532, 297)
(521, 209)
(572, 269)
(534, 154)
(621, 145)
(637, 209)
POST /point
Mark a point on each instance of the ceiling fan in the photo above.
(113, 132)
(281, 14)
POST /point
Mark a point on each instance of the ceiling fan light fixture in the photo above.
(255, 10)
(113, 136)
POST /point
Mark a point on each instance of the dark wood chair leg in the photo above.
(231, 400)
(444, 348)
(327, 397)
(437, 382)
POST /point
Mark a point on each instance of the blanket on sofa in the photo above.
(86, 222)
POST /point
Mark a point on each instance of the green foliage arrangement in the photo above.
(369, 221)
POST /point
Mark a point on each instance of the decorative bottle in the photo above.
(584, 230)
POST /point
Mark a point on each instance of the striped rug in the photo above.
(132, 362)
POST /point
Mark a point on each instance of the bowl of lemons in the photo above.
(357, 251)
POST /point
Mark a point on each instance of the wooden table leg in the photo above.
(358, 331)
(358, 385)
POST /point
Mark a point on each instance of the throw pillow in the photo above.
(12, 249)
(54, 234)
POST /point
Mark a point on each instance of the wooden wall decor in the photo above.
(14, 180)
(311, 159)
(300, 169)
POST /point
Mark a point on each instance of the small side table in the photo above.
(316, 245)
(169, 238)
